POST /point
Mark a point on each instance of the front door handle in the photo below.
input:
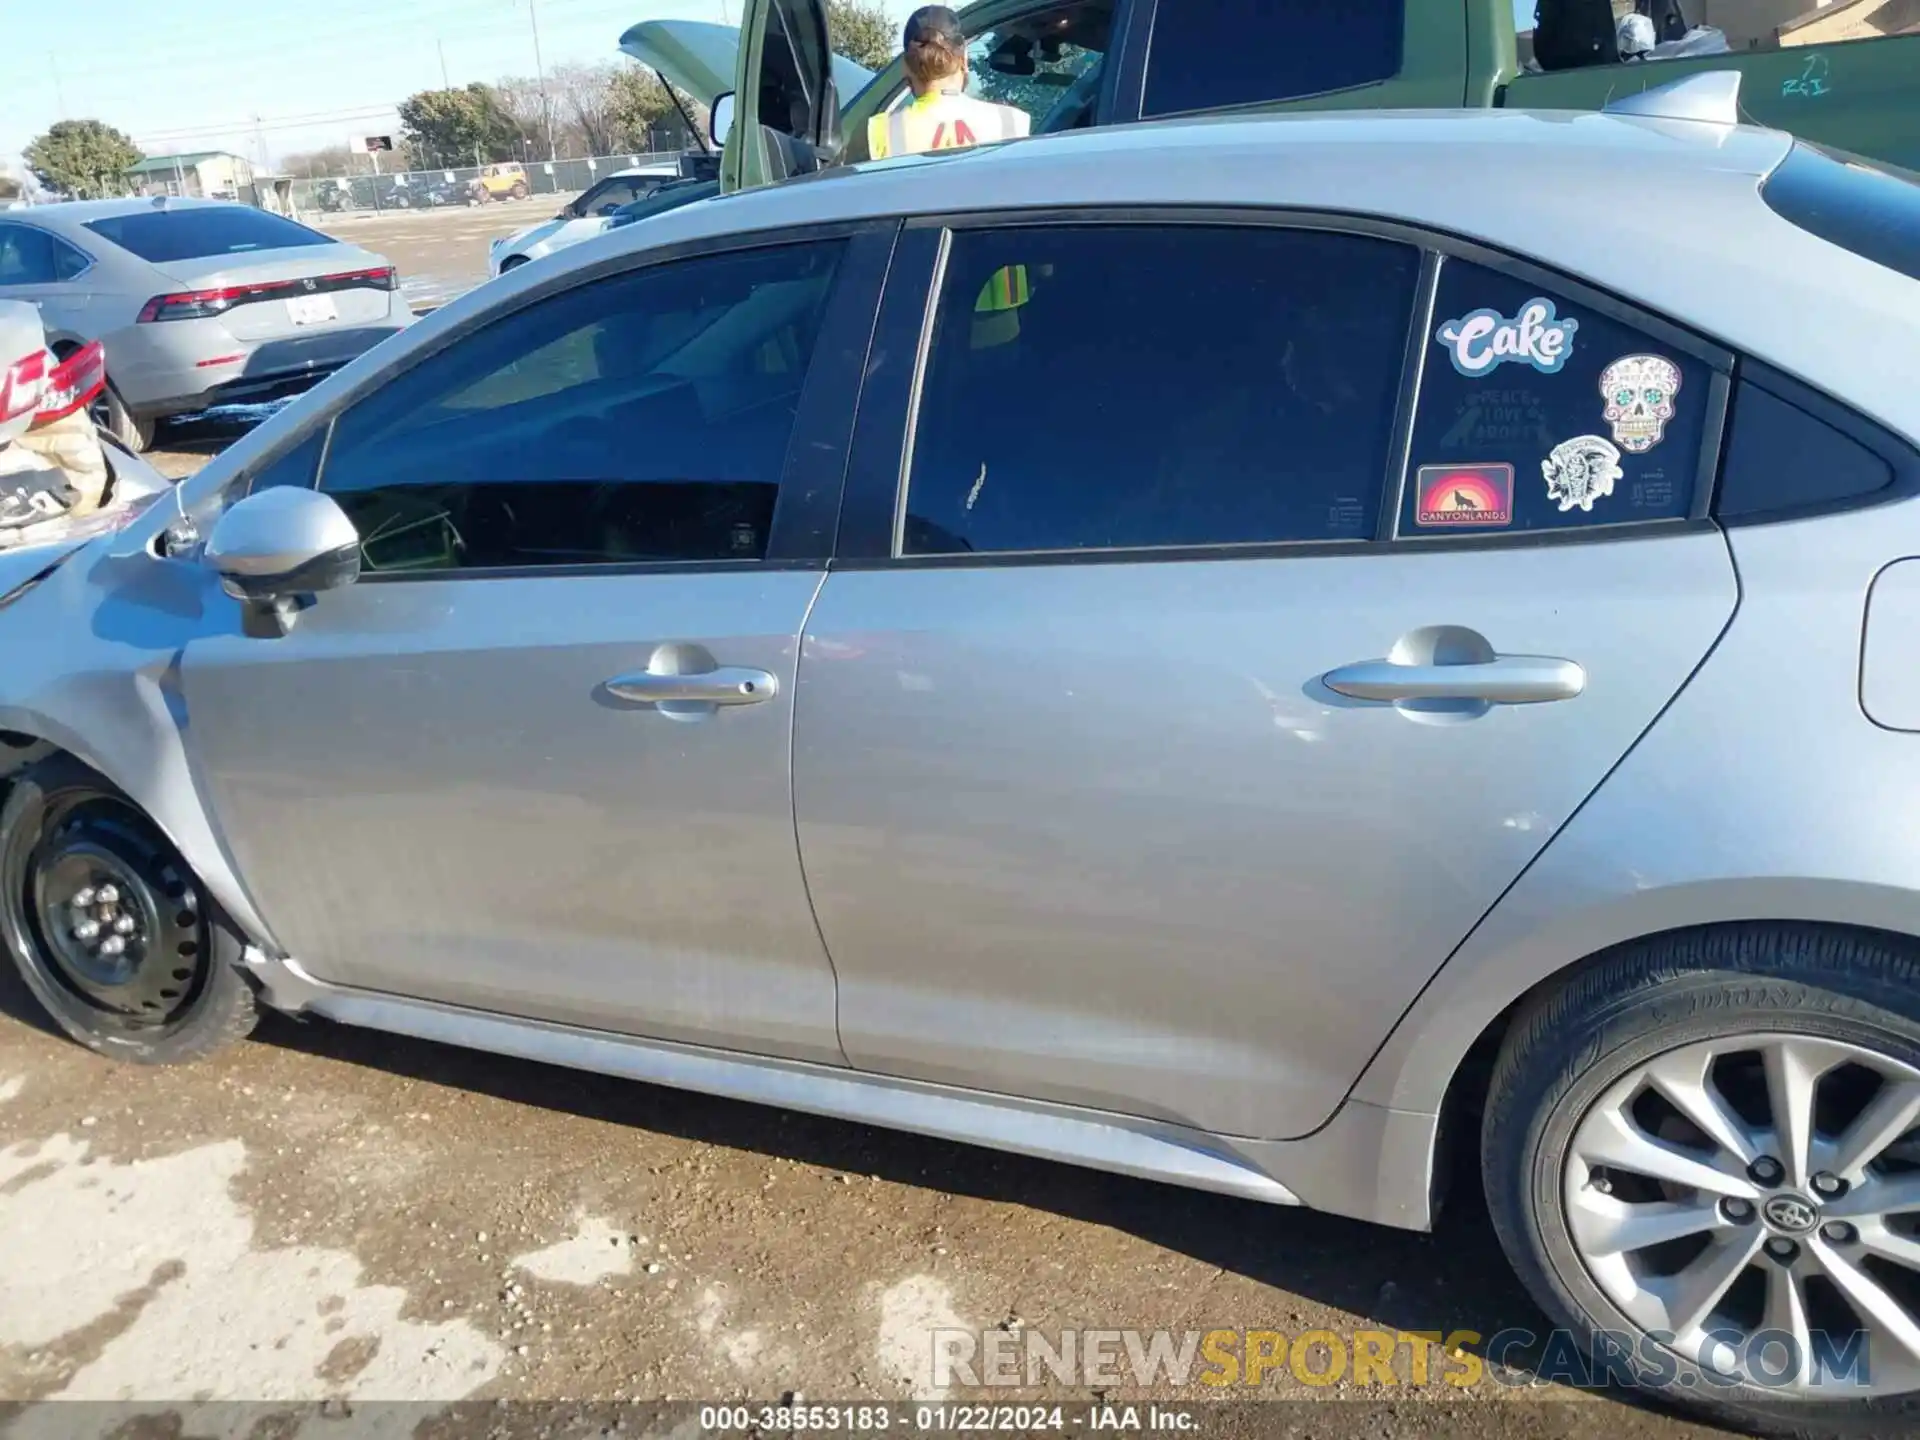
(1503, 680)
(730, 685)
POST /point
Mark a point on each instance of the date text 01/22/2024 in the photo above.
(939, 1418)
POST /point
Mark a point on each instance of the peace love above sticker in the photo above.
(1479, 342)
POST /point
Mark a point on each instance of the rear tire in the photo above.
(133, 431)
(520, 191)
(109, 929)
(1695, 1044)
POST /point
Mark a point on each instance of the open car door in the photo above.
(703, 59)
(786, 109)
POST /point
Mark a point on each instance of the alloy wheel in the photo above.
(1754, 1202)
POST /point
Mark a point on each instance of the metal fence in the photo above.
(465, 185)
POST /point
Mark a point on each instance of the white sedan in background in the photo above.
(584, 218)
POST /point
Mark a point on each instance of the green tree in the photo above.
(452, 127)
(87, 159)
(863, 33)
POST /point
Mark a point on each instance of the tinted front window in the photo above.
(195, 233)
(1114, 387)
(26, 256)
(1859, 205)
(640, 418)
(1537, 413)
(1209, 53)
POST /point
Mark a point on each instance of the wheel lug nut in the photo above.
(86, 931)
(108, 894)
(1737, 1210)
(1766, 1171)
(1829, 1185)
(1601, 1185)
(1782, 1249)
(85, 898)
(124, 925)
(1838, 1231)
(112, 945)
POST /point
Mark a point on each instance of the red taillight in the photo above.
(21, 386)
(73, 384)
(205, 304)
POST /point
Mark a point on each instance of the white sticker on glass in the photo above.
(1639, 391)
(1580, 471)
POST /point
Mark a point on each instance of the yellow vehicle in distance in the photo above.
(504, 181)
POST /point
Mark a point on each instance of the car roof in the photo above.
(1667, 213)
(78, 212)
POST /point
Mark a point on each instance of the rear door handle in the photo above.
(730, 685)
(1503, 680)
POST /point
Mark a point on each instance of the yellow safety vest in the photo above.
(943, 120)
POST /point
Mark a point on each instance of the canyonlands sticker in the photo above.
(1478, 342)
(1447, 495)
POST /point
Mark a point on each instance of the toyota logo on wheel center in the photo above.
(1790, 1213)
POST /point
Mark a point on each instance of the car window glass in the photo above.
(26, 256)
(1208, 53)
(195, 232)
(1539, 413)
(68, 263)
(639, 418)
(1047, 64)
(1124, 386)
(1868, 208)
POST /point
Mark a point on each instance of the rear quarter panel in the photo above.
(1763, 793)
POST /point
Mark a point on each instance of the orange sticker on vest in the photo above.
(962, 135)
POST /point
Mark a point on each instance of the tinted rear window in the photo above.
(1209, 53)
(1856, 204)
(162, 235)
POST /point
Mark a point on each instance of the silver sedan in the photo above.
(199, 302)
(1223, 651)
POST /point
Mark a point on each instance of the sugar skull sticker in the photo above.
(1639, 391)
(1581, 471)
(1537, 336)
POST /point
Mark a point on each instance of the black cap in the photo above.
(936, 23)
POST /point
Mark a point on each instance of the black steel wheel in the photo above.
(109, 928)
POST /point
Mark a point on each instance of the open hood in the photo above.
(702, 58)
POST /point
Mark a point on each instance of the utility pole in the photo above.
(59, 90)
(445, 83)
(540, 72)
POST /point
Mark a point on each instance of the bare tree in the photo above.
(585, 98)
(529, 108)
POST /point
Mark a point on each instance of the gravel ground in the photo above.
(323, 1214)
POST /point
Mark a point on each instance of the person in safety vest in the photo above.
(941, 116)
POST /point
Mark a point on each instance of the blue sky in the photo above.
(195, 74)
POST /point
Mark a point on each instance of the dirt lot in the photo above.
(327, 1214)
(330, 1213)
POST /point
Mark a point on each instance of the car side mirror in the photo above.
(276, 549)
(722, 122)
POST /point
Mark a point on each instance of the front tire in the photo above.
(109, 928)
(1710, 1141)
